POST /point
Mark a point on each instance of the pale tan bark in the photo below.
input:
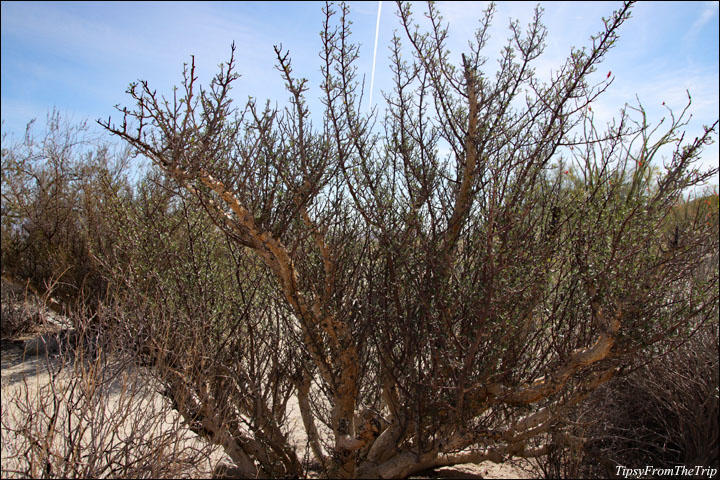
(303, 389)
(552, 383)
(385, 446)
(269, 431)
(190, 408)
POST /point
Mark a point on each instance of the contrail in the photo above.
(372, 76)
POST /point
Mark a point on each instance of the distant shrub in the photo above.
(14, 319)
(57, 193)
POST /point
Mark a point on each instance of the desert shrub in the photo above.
(444, 289)
(57, 190)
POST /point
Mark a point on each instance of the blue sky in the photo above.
(80, 56)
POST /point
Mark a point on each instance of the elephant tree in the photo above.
(426, 309)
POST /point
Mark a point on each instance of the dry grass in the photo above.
(665, 413)
(88, 412)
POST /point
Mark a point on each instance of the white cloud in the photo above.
(710, 11)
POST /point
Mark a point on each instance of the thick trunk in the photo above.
(204, 421)
(309, 421)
